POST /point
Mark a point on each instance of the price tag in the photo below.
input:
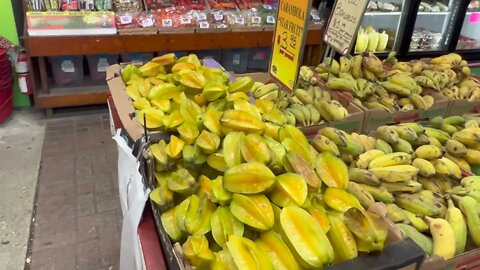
(68, 66)
(102, 65)
(218, 16)
(342, 27)
(186, 20)
(127, 19)
(240, 20)
(167, 23)
(170, 9)
(267, 7)
(271, 19)
(289, 41)
(204, 25)
(147, 22)
(201, 16)
(256, 20)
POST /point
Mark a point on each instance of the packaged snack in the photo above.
(157, 4)
(201, 19)
(217, 19)
(103, 5)
(127, 5)
(252, 3)
(86, 5)
(126, 19)
(235, 19)
(185, 20)
(195, 4)
(145, 20)
(68, 5)
(222, 4)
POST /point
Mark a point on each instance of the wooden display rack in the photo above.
(48, 96)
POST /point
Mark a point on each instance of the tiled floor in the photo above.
(77, 223)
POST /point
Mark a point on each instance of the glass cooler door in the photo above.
(470, 35)
(382, 25)
(434, 24)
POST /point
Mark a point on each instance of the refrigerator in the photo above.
(425, 28)
(387, 18)
(469, 39)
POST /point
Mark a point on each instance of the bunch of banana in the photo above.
(365, 65)
(370, 40)
(468, 88)
(451, 61)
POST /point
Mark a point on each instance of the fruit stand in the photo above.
(48, 95)
(399, 180)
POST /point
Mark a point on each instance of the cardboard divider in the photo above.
(378, 117)
(463, 106)
(123, 103)
(353, 123)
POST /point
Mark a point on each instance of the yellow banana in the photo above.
(428, 152)
(393, 174)
(425, 167)
(393, 159)
(443, 238)
(455, 217)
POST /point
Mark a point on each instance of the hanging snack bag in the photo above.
(103, 5)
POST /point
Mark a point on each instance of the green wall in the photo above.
(8, 29)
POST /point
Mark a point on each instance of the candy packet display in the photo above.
(103, 5)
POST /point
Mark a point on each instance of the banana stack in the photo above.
(306, 106)
(448, 74)
(369, 40)
(365, 65)
(237, 186)
(399, 92)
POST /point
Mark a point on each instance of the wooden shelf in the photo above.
(83, 45)
(71, 96)
(48, 96)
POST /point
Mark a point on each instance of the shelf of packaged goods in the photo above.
(84, 45)
(373, 13)
(444, 13)
(71, 96)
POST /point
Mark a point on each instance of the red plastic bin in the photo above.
(6, 104)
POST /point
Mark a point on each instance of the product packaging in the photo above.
(126, 19)
(222, 4)
(195, 4)
(86, 5)
(127, 5)
(103, 5)
(69, 5)
(158, 4)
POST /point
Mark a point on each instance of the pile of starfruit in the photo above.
(239, 188)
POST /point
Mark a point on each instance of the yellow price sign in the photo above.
(289, 41)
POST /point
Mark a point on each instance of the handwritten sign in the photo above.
(343, 24)
(289, 41)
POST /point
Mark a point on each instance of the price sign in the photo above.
(343, 24)
(289, 41)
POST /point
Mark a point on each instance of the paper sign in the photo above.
(289, 41)
(343, 25)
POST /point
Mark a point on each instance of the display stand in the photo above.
(48, 95)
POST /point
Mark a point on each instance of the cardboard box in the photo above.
(379, 117)
(353, 123)
(464, 261)
(56, 23)
(123, 103)
(463, 106)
